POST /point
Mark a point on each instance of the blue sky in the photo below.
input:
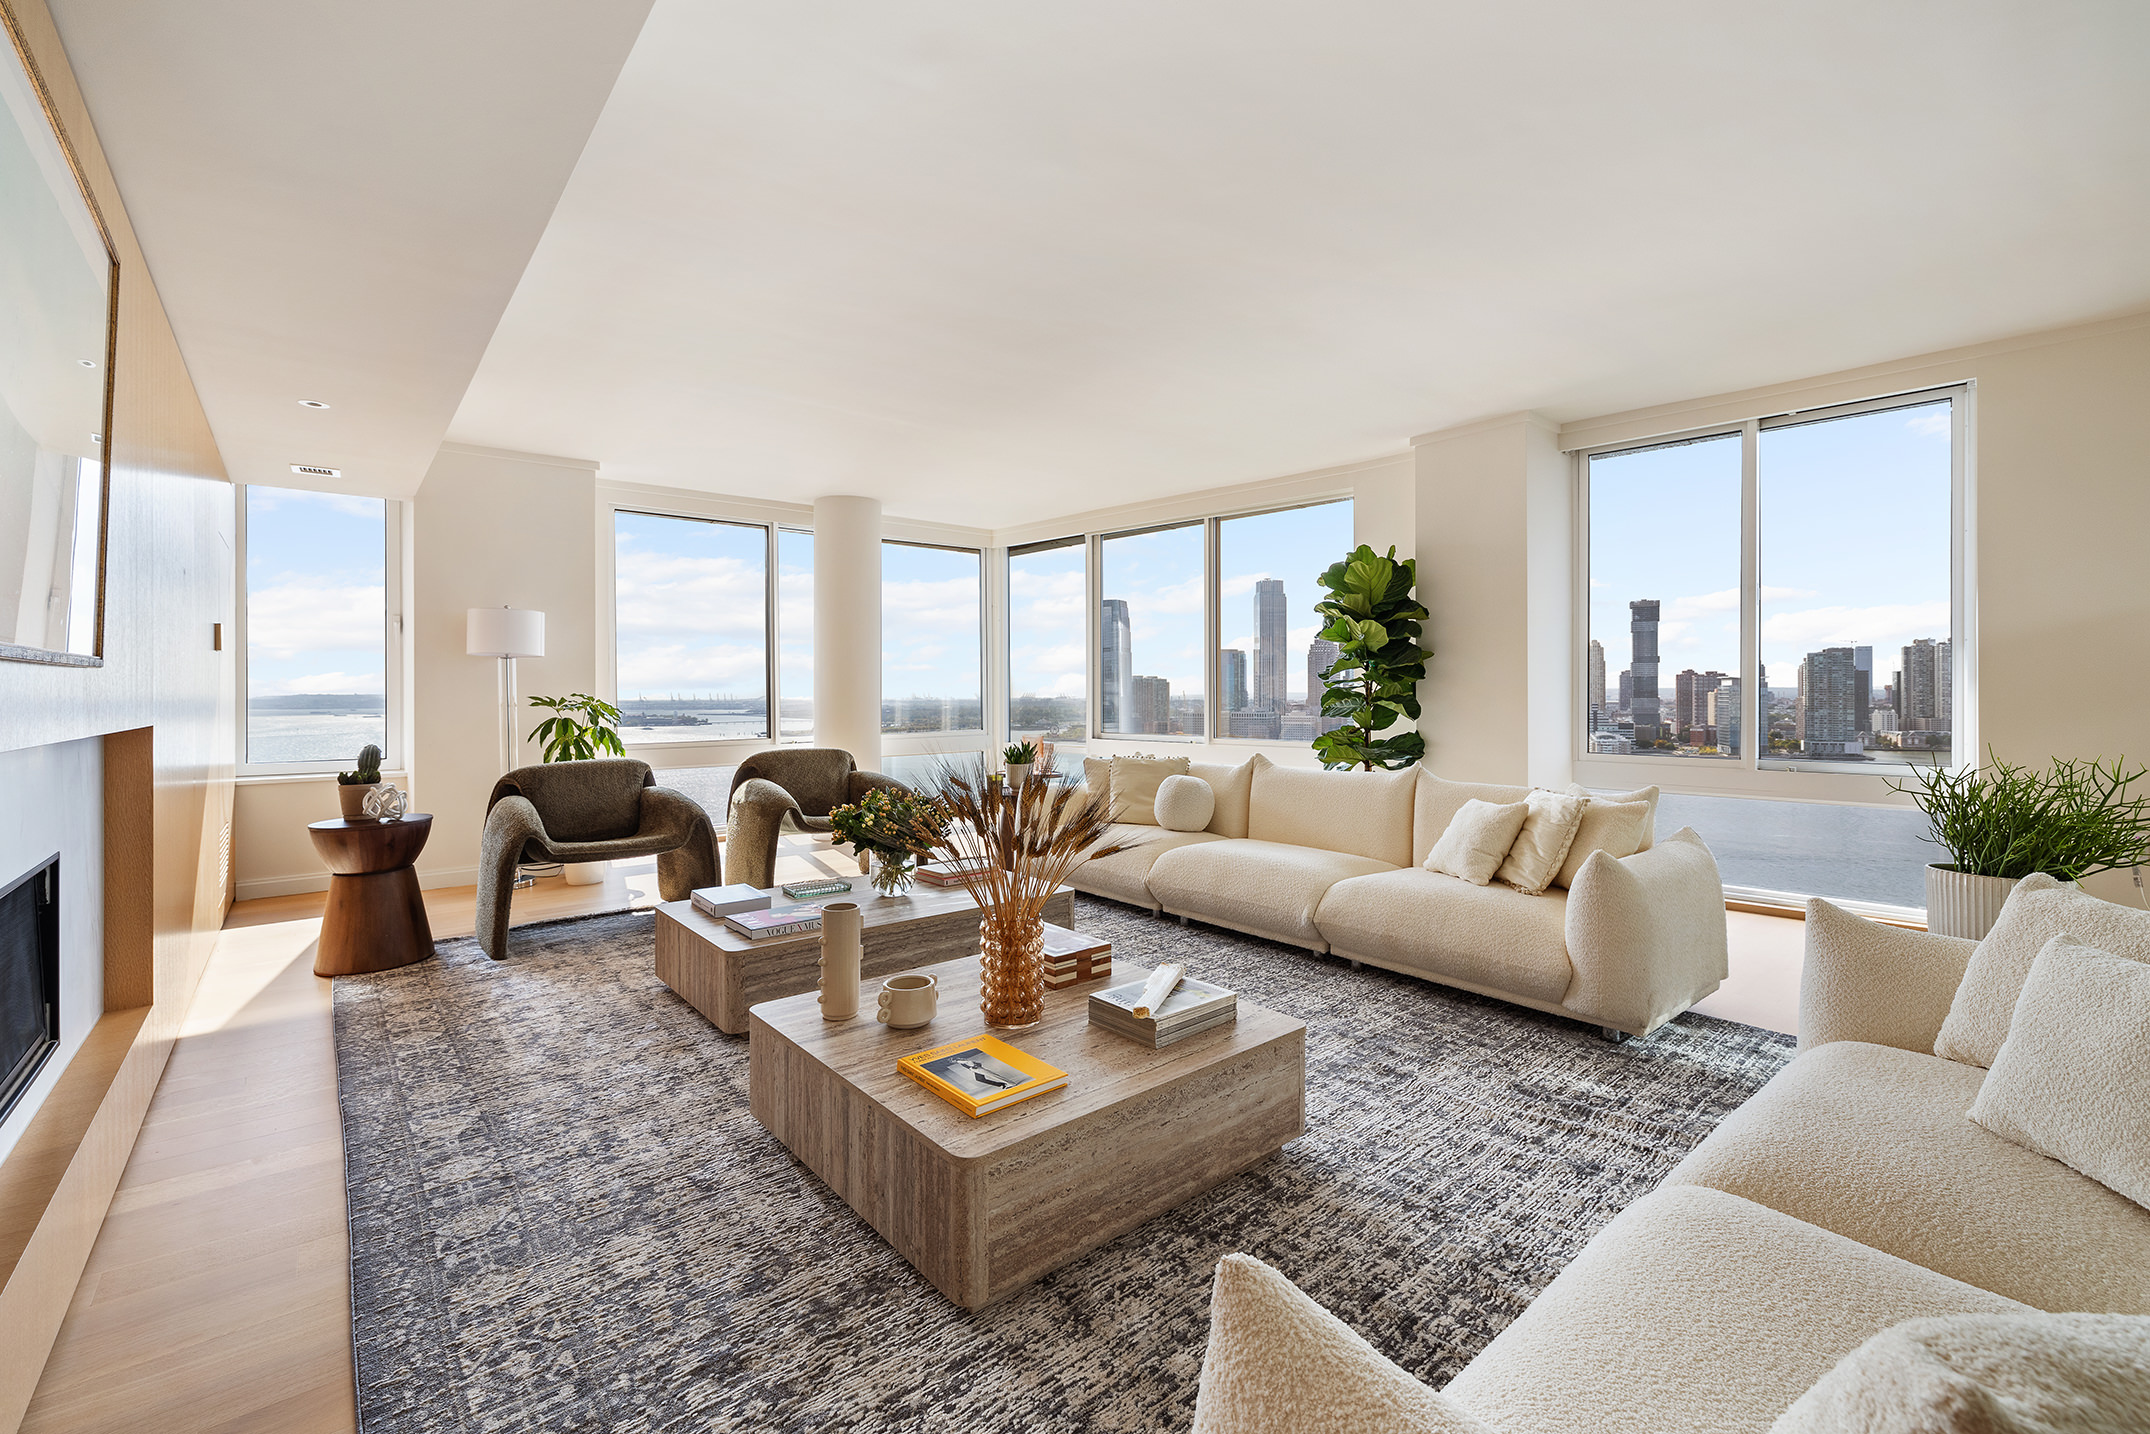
(315, 594)
(1855, 543)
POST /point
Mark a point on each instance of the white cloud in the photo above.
(1180, 597)
(298, 616)
(1930, 423)
(660, 669)
(368, 682)
(1888, 625)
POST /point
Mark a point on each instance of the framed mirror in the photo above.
(59, 311)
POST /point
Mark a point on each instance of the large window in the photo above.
(691, 602)
(932, 640)
(1151, 648)
(318, 629)
(795, 633)
(1048, 595)
(1269, 660)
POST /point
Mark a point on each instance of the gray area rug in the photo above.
(563, 1216)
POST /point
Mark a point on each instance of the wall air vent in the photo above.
(314, 471)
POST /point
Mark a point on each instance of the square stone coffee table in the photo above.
(982, 1207)
(720, 973)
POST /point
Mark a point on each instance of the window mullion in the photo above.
(1753, 700)
(771, 638)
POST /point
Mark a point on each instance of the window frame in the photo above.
(979, 738)
(1006, 606)
(392, 736)
(770, 632)
(1754, 773)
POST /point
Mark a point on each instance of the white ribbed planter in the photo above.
(1958, 904)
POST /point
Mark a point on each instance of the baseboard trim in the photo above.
(255, 888)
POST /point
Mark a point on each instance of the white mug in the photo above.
(907, 1001)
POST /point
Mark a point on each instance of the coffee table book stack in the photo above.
(1072, 958)
(1195, 1007)
(775, 921)
(723, 901)
(979, 1075)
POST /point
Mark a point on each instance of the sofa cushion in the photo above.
(1233, 786)
(1616, 828)
(1278, 1363)
(1123, 875)
(1357, 813)
(1185, 804)
(1542, 846)
(1268, 888)
(1990, 1373)
(2072, 1080)
(1435, 802)
(1477, 840)
(2039, 909)
(1135, 781)
(1872, 1142)
(1696, 1310)
(1490, 938)
(1640, 794)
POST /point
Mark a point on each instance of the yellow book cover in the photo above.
(980, 1074)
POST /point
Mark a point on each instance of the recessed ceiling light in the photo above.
(311, 403)
(316, 470)
(87, 363)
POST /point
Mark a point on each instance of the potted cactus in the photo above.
(1019, 758)
(352, 787)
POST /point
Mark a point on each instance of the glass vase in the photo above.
(1011, 957)
(893, 875)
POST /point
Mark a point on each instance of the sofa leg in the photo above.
(1353, 964)
(1614, 1034)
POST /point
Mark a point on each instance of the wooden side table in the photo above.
(376, 917)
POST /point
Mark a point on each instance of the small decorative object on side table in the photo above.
(1011, 854)
(352, 788)
(1018, 759)
(376, 918)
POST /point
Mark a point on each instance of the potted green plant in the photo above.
(896, 827)
(1018, 758)
(580, 727)
(1999, 823)
(1375, 623)
(352, 787)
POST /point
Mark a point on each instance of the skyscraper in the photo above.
(1321, 655)
(1594, 682)
(1627, 690)
(1828, 710)
(1723, 715)
(1150, 700)
(1691, 700)
(1232, 679)
(1269, 632)
(1642, 634)
(1862, 678)
(1116, 669)
(1924, 687)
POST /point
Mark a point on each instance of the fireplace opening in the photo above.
(29, 979)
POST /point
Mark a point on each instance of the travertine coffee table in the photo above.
(983, 1207)
(720, 973)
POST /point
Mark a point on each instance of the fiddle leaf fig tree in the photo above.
(1375, 621)
(581, 726)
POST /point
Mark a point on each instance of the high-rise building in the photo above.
(1642, 635)
(1691, 699)
(1321, 655)
(1151, 703)
(1828, 704)
(1232, 679)
(1594, 679)
(1925, 687)
(1116, 668)
(1862, 678)
(1627, 691)
(1723, 714)
(1270, 627)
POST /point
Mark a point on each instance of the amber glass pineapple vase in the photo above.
(1011, 953)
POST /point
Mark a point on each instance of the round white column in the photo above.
(847, 627)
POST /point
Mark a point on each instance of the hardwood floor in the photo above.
(218, 1295)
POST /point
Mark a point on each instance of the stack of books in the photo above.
(1072, 958)
(724, 900)
(775, 921)
(981, 1075)
(820, 887)
(949, 872)
(1196, 1006)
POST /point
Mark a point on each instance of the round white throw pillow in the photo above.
(1185, 804)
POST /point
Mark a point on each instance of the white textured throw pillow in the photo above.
(1184, 804)
(1477, 840)
(1549, 828)
(2072, 1081)
(1640, 794)
(1986, 1374)
(2039, 909)
(1278, 1363)
(1615, 828)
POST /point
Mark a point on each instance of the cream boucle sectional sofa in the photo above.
(1331, 861)
(1850, 1194)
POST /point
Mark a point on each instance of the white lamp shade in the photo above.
(506, 632)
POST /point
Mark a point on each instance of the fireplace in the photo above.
(29, 979)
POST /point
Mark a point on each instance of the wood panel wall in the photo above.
(164, 704)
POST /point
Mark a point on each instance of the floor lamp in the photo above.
(506, 633)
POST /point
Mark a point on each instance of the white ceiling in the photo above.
(337, 199)
(994, 263)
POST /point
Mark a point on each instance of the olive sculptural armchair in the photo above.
(588, 811)
(817, 779)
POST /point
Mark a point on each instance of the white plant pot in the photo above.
(1959, 904)
(1018, 773)
(586, 873)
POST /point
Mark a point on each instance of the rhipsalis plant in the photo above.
(1375, 622)
(581, 726)
(2071, 821)
(369, 768)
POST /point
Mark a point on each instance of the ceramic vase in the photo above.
(1960, 904)
(1011, 958)
(843, 929)
(1018, 774)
